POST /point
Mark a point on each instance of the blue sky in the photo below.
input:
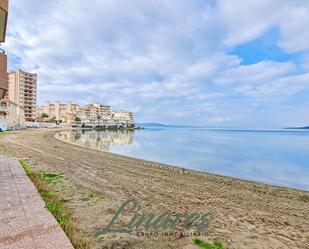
(224, 63)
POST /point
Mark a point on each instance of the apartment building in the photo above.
(92, 113)
(3, 57)
(64, 113)
(123, 117)
(11, 113)
(96, 114)
(12, 116)
(23, 92)
(5, 108)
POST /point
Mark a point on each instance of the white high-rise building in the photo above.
(23, 91)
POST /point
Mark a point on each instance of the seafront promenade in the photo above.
(24, 221)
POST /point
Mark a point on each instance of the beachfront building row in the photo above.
(91, 114)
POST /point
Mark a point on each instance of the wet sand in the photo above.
(95, 184)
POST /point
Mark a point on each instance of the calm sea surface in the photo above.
(276, 157)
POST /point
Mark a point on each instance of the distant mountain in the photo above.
(159, 125)
(152, 124)
(300, 128)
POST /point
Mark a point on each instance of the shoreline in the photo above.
(248, 214)
(178, 166)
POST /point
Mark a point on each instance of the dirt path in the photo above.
(247, 214)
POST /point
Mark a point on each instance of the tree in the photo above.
(53, 119)
(99, 118)
(44, 115)
(77, 119)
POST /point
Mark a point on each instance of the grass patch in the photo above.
(50, 177)
(205, 245)
(5, 132)
(56, 206)
(25, 167)
(92, 198)
(47, 194)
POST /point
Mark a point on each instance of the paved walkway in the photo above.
(25, 223)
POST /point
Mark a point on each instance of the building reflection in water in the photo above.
(97, 139)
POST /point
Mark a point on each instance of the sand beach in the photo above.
(95, 183)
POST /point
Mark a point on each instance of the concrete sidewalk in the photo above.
(25, 223)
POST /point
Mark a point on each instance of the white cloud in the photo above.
(294, 28)
(162, 58)
(246, 20)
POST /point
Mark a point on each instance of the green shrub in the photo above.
(205, 245)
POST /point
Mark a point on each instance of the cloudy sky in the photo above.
(224, 63)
